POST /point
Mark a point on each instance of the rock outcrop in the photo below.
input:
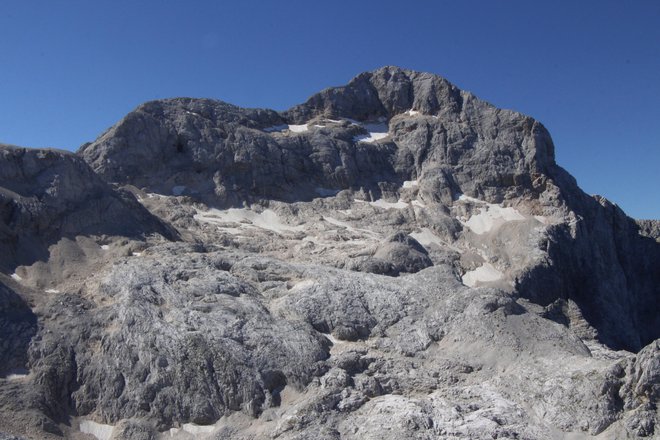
(394, 258)
(47, 195)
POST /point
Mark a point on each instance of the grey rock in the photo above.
(649, 228)
(207, 271)
(46, 195)
(18, 325)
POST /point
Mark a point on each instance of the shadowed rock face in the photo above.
(394, 258)
(47, 194)
(18, 324)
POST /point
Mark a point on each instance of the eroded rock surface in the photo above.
(394, 258)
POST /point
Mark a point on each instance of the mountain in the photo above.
(394, 258)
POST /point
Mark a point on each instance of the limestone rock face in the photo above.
(46, 195)
(393, 258)
(209, 148)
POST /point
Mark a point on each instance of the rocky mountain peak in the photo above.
(384, 93)
(393, 258)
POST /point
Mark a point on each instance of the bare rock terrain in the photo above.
(394, 258)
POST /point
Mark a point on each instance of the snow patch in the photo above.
(193, 429)
(542, 219)
(178, 190)
(137, 254)
(426, 237)
(412, 112)
(98, 430)
(332, 339)
(17, 374)
(418, 204)
(298, 128)
(266, 219)
(52, 291)
(302, 285)
(380, 203)
(376, 131)
(284, 127)
(464, 198)
(105, 247)
(484, 273)
(410, 183)
(491, 215)
(16, 277)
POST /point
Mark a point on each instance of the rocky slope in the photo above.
(394, 258)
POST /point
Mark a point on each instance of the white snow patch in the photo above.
(410, 183)
(266, 219)
(412, 112)
(380, 203)
(332, 339)
(16, 376)
(292, 128)
(302, 285)
(178, 190)
(376, 131)
(492, 216)
(484, 273)
(335, 121)
(52, 291)
(541, 219)
(195, 429)
(137, 254)
(105, 247)
(319, 126)
(98, 430)
(464, 198)
(426, 237)
(418, 204)
(16, 277)
(298, 128)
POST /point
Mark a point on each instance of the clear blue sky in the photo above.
(589, 70)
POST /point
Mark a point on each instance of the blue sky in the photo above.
(589, 70)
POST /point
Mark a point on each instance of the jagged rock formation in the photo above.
(48, 195)
(394, 258)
